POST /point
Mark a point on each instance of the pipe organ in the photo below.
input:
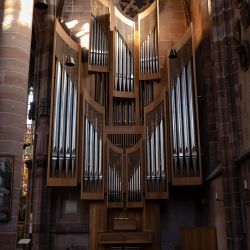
(124, 65)
(93, 144)
(134, 177)
(64, 119)
(98, 43)
(99, 37)
(184, 133)
(156, 169)
(115, 177)
(120, 139)
(149, 62)
(123, 112)
(186, 161)
(148, 22)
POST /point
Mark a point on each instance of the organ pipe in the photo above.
(124, 65)
(149, 59)
(185, 152)
(98, 43)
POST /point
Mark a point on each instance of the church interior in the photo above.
(124, 124)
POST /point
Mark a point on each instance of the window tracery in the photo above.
(132, 7)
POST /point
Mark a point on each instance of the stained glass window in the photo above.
(132, 7)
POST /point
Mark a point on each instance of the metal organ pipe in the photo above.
(148, 156)
(185, 152)
(180, 124)
(128, 71)
(56, 116)
(174, 131)
(192, 117)
(92, 40)
(63, 153)
(117, 60)
(156, 169)
(185, 121)
(90, 152)
(96, 156)
(98, 44)
(68, 127)
(162, 150)
(149, 62)
(106, 50)
(123, 65)
(152, 145)
(86, 172)
(120, 63)
(100, 165)
(73, 152)
(156, 51)
(62, 123)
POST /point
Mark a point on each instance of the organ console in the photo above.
(120, 140)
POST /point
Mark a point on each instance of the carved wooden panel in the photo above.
(125, 237)
(124, 140)
(197, 238)
(125, 27)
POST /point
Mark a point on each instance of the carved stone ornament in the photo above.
(237, 30)
(245, 14)
(243, 51)
(238, 3)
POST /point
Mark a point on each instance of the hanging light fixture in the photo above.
(41, 4)
(70, 62)
(172, 52)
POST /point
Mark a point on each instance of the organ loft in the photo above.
(113, 138)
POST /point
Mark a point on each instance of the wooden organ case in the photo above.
(63, 143)
(115, 140)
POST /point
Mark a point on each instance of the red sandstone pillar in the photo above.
(15, 39)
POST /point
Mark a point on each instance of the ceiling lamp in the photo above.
(41, 4)
(172, 53)
(70, 62)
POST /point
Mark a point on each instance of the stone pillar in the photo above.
(44, 27)
(228, 123)
(15, 40)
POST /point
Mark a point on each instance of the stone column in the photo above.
(44, 28)
(228, 123)
(15, 40)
